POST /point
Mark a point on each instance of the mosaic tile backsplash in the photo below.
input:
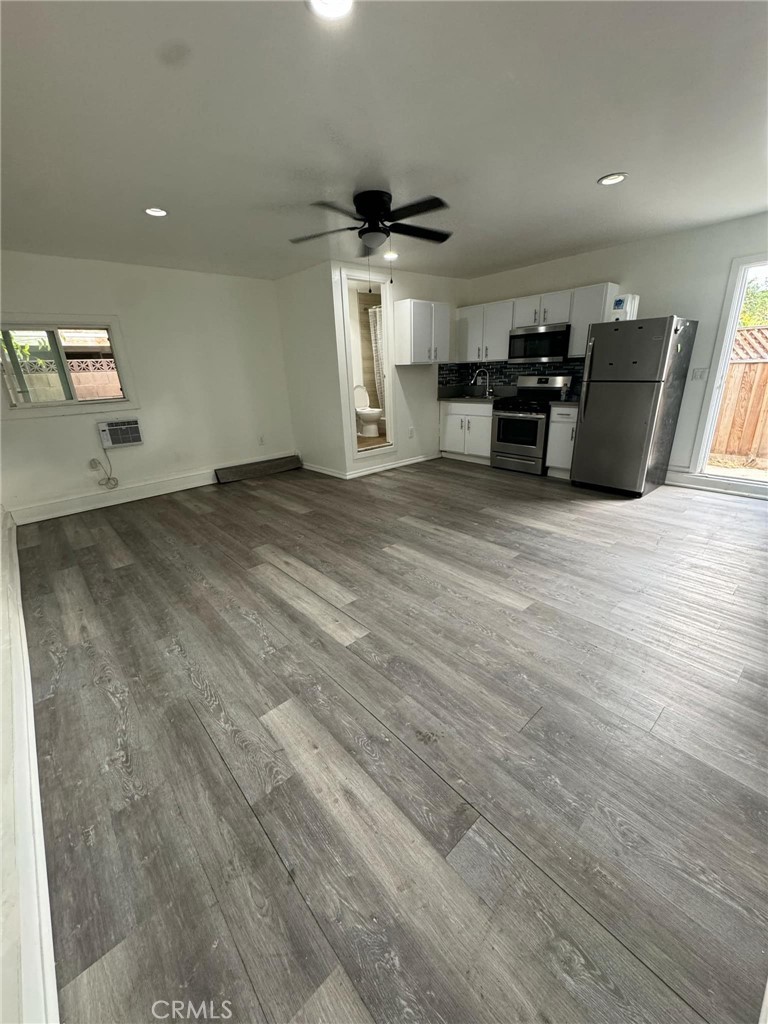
(505, 374)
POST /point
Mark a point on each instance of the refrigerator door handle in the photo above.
(584, 399)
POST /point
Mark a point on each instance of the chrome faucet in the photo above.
(476, 374)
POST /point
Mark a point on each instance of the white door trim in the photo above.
(721, 354)
(343, 275)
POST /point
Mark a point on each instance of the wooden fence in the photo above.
(742, 426)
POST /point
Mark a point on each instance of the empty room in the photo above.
(384, 440)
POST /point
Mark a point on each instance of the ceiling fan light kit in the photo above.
(376, 219)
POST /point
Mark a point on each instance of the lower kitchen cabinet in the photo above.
(562, 431)
(477, 436)
(465, 428)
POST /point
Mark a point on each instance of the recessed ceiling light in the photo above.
(391, 255)
(613, 178)
(155, 211)
(331, 10)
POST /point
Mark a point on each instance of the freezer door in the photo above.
(614, 433)
(630, 350)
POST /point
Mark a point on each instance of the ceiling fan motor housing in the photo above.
(373, 205)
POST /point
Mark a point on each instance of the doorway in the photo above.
(368, 354)
(738, 441)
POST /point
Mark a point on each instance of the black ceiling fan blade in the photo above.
(414, 231)
(337, 209)
(424, 205)
(320, 234)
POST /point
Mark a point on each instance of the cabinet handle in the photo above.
(478, 351)
(467, 425)
(535, 315)
(486, 351)
(573, 432)
(545, 316)
(462, 425)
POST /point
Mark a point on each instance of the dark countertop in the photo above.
(457, 392)
(465, 398)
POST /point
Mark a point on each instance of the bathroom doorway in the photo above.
(368, 358)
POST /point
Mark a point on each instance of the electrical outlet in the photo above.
(699, 373)
(261, 439)
(410, 432)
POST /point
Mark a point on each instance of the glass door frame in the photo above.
(721, 357)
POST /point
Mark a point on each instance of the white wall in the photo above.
(413, 389)
(217, 338)
(309, 346)
(683, 273)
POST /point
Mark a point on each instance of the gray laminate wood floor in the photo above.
(444, 744)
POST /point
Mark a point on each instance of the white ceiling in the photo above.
(236, 116)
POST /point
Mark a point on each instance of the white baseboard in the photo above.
(130, 492)
(368, 470)
(339, 474)
(723, 485)
(390, 465)
(37, 994)
(458, 457)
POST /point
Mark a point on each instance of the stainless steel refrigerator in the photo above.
(634, 376)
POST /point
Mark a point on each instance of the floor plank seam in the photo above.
(539, 867)
(290, 874)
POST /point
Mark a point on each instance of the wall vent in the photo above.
(119, 433)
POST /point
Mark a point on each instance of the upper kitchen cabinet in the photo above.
(535, 310)
(526, 311)
(591, 305)
(422, 332)
(497, 323)
(469, 334)
(482, 332)
(556, 308)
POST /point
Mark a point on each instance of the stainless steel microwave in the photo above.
(545, 344)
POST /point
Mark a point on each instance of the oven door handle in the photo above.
(520, 415)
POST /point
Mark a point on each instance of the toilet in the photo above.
(367, 418)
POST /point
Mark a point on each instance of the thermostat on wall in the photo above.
(119, 433)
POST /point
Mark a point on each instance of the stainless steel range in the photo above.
(520, 423)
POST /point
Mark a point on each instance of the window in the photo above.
(44, 366)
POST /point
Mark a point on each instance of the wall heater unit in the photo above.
(119, 433)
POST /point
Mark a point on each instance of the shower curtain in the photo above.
(377, 344)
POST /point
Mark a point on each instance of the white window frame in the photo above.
(72, 406)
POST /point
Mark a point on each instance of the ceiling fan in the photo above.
(376, 219)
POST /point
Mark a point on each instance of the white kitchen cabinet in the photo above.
(555, 308)
(477, 436)
(441, 332)
(591, 305)
(497, 323)
(482, 332)
(452, 433)
(469, 333)
(422, 332)
(526, 311)
(562, 431)
(465, 428)
(535, 310)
